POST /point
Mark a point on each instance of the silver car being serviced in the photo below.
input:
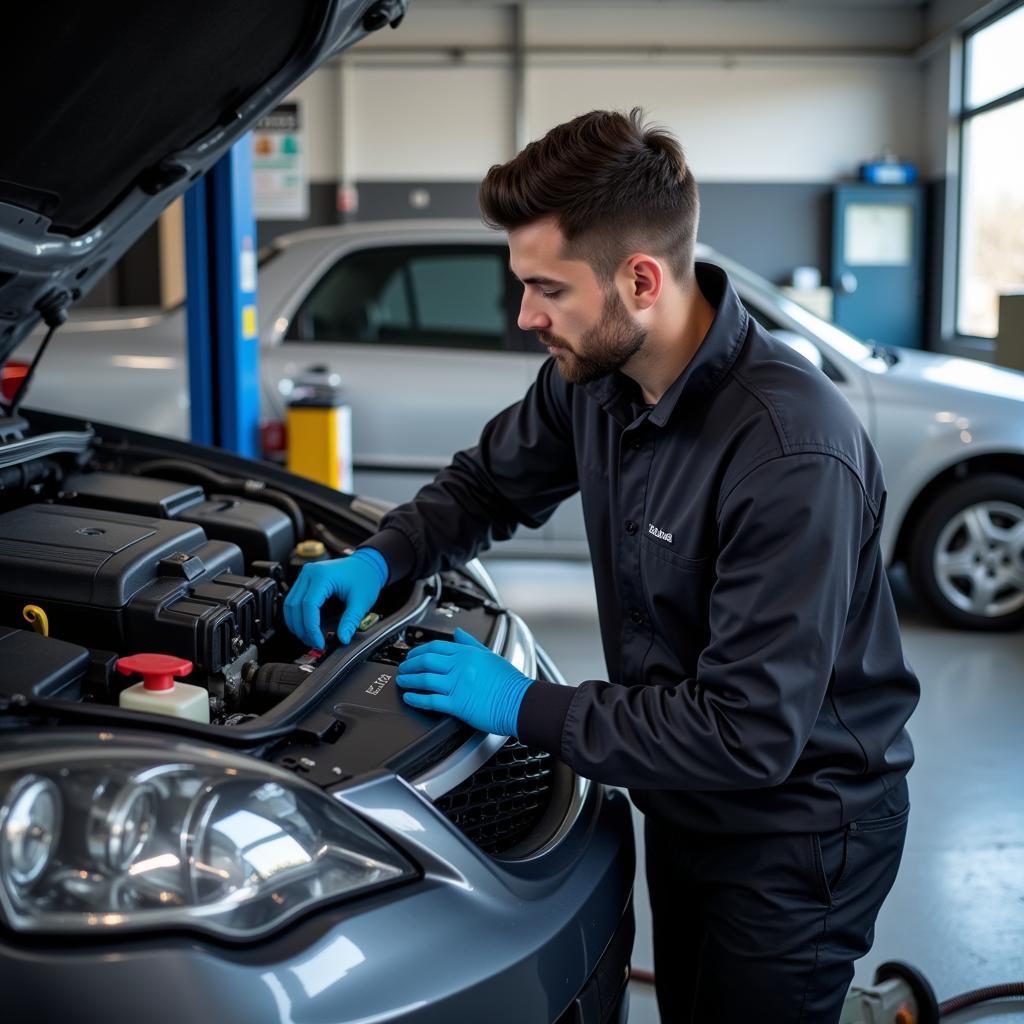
(302, 845)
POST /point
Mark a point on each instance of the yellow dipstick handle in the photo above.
(36, 617)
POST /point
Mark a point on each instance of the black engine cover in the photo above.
(131, 583)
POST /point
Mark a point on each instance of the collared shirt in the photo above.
(756, 677)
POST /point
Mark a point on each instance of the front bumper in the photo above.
(474, 939)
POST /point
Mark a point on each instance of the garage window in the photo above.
(448, 296)
(991, 258)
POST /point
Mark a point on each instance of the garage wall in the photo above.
(775, 102)
(750, 119)
(814, 89)
(773, 106)
(939, 171)
(760, 120)
(437, 123)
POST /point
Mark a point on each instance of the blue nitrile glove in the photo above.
(357, 580)
(467, 680)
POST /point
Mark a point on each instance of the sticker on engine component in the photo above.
(378, 684)
(369, 620)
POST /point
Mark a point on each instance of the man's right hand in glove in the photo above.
(357, 580)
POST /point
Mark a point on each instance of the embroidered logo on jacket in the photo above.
(660, 534)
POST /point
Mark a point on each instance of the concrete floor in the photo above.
(956, 911)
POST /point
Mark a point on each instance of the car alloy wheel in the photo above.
(967, 556)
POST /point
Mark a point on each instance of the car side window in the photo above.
(774, 327)
(436, 296)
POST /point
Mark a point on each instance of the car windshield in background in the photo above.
(846, 344)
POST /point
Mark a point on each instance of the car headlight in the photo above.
(95, 839)
(31, 824)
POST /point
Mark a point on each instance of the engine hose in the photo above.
(267, 684)
(232, 485)
(952, 1005)
(330, 540)
(285, 502)
(17, 478)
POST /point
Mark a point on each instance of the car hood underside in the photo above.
(118, 107)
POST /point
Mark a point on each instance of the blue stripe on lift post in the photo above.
(222, 320)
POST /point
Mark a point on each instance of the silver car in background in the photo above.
(417, 321)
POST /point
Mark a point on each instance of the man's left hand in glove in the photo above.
(467, 680)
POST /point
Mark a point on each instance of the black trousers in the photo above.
(767, 927)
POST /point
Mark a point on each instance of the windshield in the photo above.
(836, 338)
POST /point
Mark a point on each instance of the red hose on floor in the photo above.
(981, 995)
(952, 1005)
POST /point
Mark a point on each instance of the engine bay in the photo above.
(116, 551)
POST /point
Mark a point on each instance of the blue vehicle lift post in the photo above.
(220, 272)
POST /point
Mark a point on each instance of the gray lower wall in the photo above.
(772, 228)
(934, 240)
(322, 210)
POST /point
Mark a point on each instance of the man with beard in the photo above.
(757, 691)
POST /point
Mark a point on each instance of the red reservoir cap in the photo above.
(157, 670)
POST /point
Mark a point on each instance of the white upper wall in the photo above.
(474, 23)
(940, 119)
(434, 122)
(756, 120)
(739, 23)
(757, 90)
(321, 126)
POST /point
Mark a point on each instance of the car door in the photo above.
(419, 337)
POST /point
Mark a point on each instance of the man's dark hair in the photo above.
(614, 184)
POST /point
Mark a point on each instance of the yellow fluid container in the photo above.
(320, 444)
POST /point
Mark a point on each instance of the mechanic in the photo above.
(757, 690)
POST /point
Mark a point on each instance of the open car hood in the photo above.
(118, 107)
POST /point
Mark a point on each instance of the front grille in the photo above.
(503, 800)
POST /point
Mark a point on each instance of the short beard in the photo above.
(603, 349)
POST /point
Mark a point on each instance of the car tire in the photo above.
(967, 553)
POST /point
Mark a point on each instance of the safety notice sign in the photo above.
(280, 186)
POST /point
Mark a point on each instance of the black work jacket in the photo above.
(756, 678)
